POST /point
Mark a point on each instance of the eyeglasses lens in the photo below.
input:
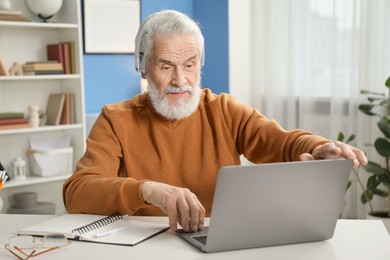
(28, 242)
(54, 240)
(23, 242)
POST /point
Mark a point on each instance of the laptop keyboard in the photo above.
(201, 239)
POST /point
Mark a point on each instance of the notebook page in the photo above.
(136, 232)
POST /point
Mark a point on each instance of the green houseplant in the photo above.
(378, 184)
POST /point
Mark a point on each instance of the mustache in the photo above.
(170, 90)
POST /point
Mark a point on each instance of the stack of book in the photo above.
(64, 53)
(12, 15)
(13, 120)
(42, 68)
(60, 109)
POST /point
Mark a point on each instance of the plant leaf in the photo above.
(340, 137)
(383, 103)
(384, 180)
(373, 99)
(379, 192)
(387, 83)
(376, 169)
(348, 185)
(383, 146)
(366, 109)
(364, 91)
(366, 196)
(372, 182)
(350, 139)
(384, 126)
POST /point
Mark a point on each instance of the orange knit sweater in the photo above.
(130, 143)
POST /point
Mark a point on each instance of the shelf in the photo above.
(31, 180)
(40, 77)
(22, 41)
(40, 129)
(38, 25)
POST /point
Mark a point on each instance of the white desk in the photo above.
(353, 239)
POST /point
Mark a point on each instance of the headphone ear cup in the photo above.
(142, 63)
(139, 60)
(137, 54)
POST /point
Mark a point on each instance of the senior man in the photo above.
(158, 153)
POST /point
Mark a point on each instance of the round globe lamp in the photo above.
(44, 9)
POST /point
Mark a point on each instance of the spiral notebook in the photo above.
(115, 229)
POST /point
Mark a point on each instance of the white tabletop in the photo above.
(353, 239)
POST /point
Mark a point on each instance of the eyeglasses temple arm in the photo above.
(48, 250)
(14, 253)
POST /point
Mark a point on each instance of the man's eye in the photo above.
(166, 67)
(189, 66)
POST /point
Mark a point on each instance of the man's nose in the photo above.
(179, 78)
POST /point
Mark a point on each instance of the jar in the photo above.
(19, 166)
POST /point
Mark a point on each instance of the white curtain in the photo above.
(304, 62)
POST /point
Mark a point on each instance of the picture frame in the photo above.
(110, 26)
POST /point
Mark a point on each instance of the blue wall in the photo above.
(111, 78)
(213, 17)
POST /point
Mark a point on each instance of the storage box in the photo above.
(51, 162)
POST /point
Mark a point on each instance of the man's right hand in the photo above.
(181, 205)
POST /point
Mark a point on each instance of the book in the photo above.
(55, 105)
(14, 126)
(43, 72)
(12, 15)
(72, 109)
(67, 59)
(13, 18)
(11, 121)
(115, 229)
(72, 55)
(65, 116)
(9, 115)
(55, 52)
(41, 61)
(64, 53)
(42, 67)
(10, 12)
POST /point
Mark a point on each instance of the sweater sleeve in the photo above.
(262, 140)
(96, 186)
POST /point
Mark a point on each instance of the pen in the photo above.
(110, 232)
(3, 180)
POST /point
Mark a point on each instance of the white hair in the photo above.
(165, 24)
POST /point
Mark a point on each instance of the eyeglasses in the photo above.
(18, 245)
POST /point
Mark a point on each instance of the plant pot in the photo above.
(380, 215)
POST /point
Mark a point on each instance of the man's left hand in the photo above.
(335, 150)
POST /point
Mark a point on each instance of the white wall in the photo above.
(239, 56)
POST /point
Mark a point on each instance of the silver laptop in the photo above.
(274, 204)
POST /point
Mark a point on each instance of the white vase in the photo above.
(5, 5)
(385, 220)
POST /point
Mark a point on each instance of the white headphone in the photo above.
(139, 60)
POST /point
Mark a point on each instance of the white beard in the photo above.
(178, 110)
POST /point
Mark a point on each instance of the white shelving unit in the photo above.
(26, 41)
